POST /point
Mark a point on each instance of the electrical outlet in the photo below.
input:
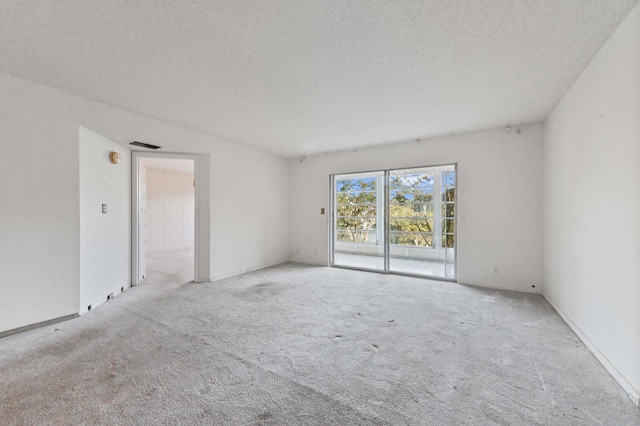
(104, 209)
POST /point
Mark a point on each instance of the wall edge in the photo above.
(632, 392)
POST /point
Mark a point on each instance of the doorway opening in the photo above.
(396, 221)
(169, 217)
(166, 226)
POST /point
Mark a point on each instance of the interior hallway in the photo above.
(308, 345)
(172, 266)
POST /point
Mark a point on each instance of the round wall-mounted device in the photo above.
(115, 157)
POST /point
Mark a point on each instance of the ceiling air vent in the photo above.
(144, 145)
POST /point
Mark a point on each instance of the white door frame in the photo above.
(202, 206)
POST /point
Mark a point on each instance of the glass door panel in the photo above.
(358, 237)
(448, 196)
(418, 234)
(422, 221)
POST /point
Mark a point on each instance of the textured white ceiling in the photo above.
(296, 77)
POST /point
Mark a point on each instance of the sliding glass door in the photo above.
(399, 221)
(413, 222)
(358, 223)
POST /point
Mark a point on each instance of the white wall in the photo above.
(592, 206)
(499, 201)
(39, 208)
(170, 210)
(105, 239)
(40, 196)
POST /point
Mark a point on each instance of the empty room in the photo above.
(316, 212)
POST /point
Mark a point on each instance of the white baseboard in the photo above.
(633, 393)
(99, 301)
(244, 271)
(36, 325)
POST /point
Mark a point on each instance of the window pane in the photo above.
(414, 239)
(355, 236)
(410, 196)
(448, 241)
(448, 194)
(351, 185)
(418, 210)
(412, 225)
(412, 180)
(355, 210)
(450, 210)
(448, 226)
(448, 178)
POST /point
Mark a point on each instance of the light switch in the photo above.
(104, 209)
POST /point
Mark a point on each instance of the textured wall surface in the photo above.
(592, 205)
(170, 210)
(40, 196)
(105, 239)
(499, 206)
